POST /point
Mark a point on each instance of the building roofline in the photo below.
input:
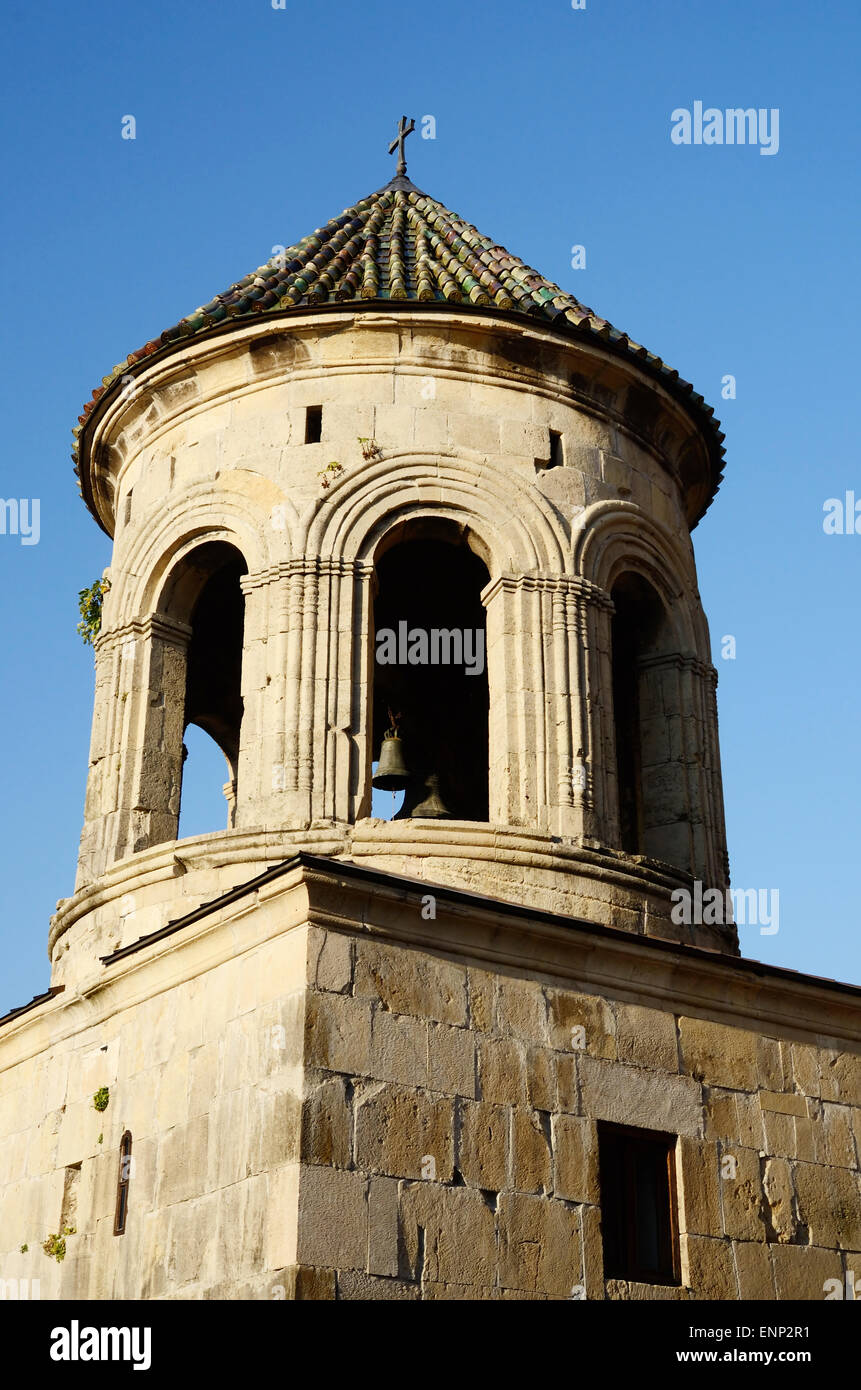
(462, 897)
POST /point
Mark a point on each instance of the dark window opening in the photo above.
(638, 634)
(639, 1213)
(128, 515)
(123, 1179)
(213, 695)
(430, 679)
(313, 424)
(557, 455)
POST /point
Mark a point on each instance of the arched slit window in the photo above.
(430, 683)
(654, 815)
(123, 1179)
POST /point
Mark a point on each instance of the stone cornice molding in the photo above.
(574, 585)
(144, 630)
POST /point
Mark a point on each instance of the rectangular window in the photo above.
(639, 1218)
(557, 455)
(313, 424)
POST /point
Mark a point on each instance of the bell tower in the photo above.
(396, 512)
(396, 425)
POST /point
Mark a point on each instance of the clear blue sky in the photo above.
(254, 125)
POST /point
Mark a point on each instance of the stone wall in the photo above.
(341, 1083)
(460, 1143)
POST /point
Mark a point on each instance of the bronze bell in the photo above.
(392, 773)
(431, 807)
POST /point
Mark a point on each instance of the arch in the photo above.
(613, 537)
(521, 530)
(183, 523)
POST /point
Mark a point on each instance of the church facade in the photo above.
(474, 1051)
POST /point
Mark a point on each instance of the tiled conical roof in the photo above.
(397, 246)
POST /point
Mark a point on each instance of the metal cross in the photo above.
(403, 131)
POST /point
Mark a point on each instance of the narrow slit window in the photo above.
(557, 453)
(123, 1179)
(313, 424)
(639, 1219)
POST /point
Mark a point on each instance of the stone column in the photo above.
(135, 775)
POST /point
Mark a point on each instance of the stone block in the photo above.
(711, 1268)
(801, 1271)
(531, 1159)
(754, 1271)
(182, 1159)
(632, 1096)
(483, 1137)
(449, 1235)
(699, 1181)
(829, 1204)
(327, 1123)
(646, 1037)
(734, 1116)
(354, 1286)
(781, 1103)
(398, 1130)
(541, 1088)
(521, 1010)
(742, 1193)
(383, 1227)
(338, 1033)
(330, 961)
(501, 1070)
(780, 1200)
(539, 1245)
(333, 1218)
(719, 1055)
(452, 1061)
(302, 1283)
(465, 1293)
(570, 1013)
(481, 994)
(833, 1135)
(770, 1065)
(407, 982)
(779, 1134)
(568, 1084)
(575, 1159)
(399, 1049)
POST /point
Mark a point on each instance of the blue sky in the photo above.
(254, 125)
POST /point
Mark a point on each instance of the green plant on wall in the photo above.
(55, 1245)
(90, 604)
(101, 1098)
(333, 468)
(370, 448)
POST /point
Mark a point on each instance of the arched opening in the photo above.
(430, 684)
(205, 594)
(654, 816)
(207, 779)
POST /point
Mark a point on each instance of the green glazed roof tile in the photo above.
(400, 244)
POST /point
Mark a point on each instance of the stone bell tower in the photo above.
(396, 482)
(391, 402)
